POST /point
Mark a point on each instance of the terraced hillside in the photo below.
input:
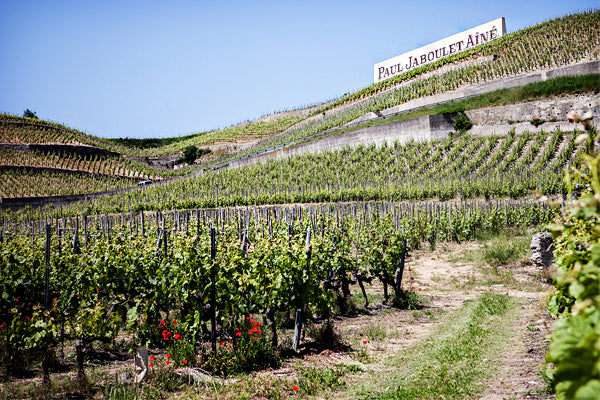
(460, 168)
(116, 164)
(38, 158)
(406, 264)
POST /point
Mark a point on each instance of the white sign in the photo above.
(451, 45)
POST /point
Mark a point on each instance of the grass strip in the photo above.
(455, 361)
(533, 91)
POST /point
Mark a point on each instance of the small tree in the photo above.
(462, 123)
(190, 153)
(29, 114)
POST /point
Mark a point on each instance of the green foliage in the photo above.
(190, 153)
(407, 300)
(29, 114)
(462, 123)
(313, 379)
(247, 350)
(535, 121)
(150, 143)
(468, 167)
(327, 335)
(574, 351)
(503, 252)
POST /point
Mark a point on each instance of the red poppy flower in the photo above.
(174, 322)
(252, 321)
(167, 362)
(243, 358)
(295, 388)
(152, 358)
(168, 355)
(151, 365)
(178, 336)
(247, 318)
(364, 341)
(184, 362)
(419, 288)
(238, 334)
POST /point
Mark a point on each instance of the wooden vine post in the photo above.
(298, 326)
(400, 269)
(213, 291)
(47, 271)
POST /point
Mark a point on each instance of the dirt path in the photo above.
(449, 278)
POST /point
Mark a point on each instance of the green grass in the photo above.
(312, 380)
(498, 247)
(149, 143)
(533, 91)
(375, 332)
(456, 359)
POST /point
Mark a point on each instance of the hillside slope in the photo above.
(562, 41)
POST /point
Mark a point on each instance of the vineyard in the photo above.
(64, 163)
(27, 183)
(201, 266)
(464, 167)
(399, 271)
(576, 37)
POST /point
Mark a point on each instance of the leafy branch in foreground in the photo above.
(575, 348)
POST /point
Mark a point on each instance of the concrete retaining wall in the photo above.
(429, 127)
(585, 68)
(591, 67)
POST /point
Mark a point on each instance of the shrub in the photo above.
(247, 350)
(407, 300)
(535, 121)
(462, 123)
(29, 114)
(190, 153)
(574, 350)
(327, 335)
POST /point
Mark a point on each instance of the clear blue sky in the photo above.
(166, 68)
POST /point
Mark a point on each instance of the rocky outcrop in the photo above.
(542, 249)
